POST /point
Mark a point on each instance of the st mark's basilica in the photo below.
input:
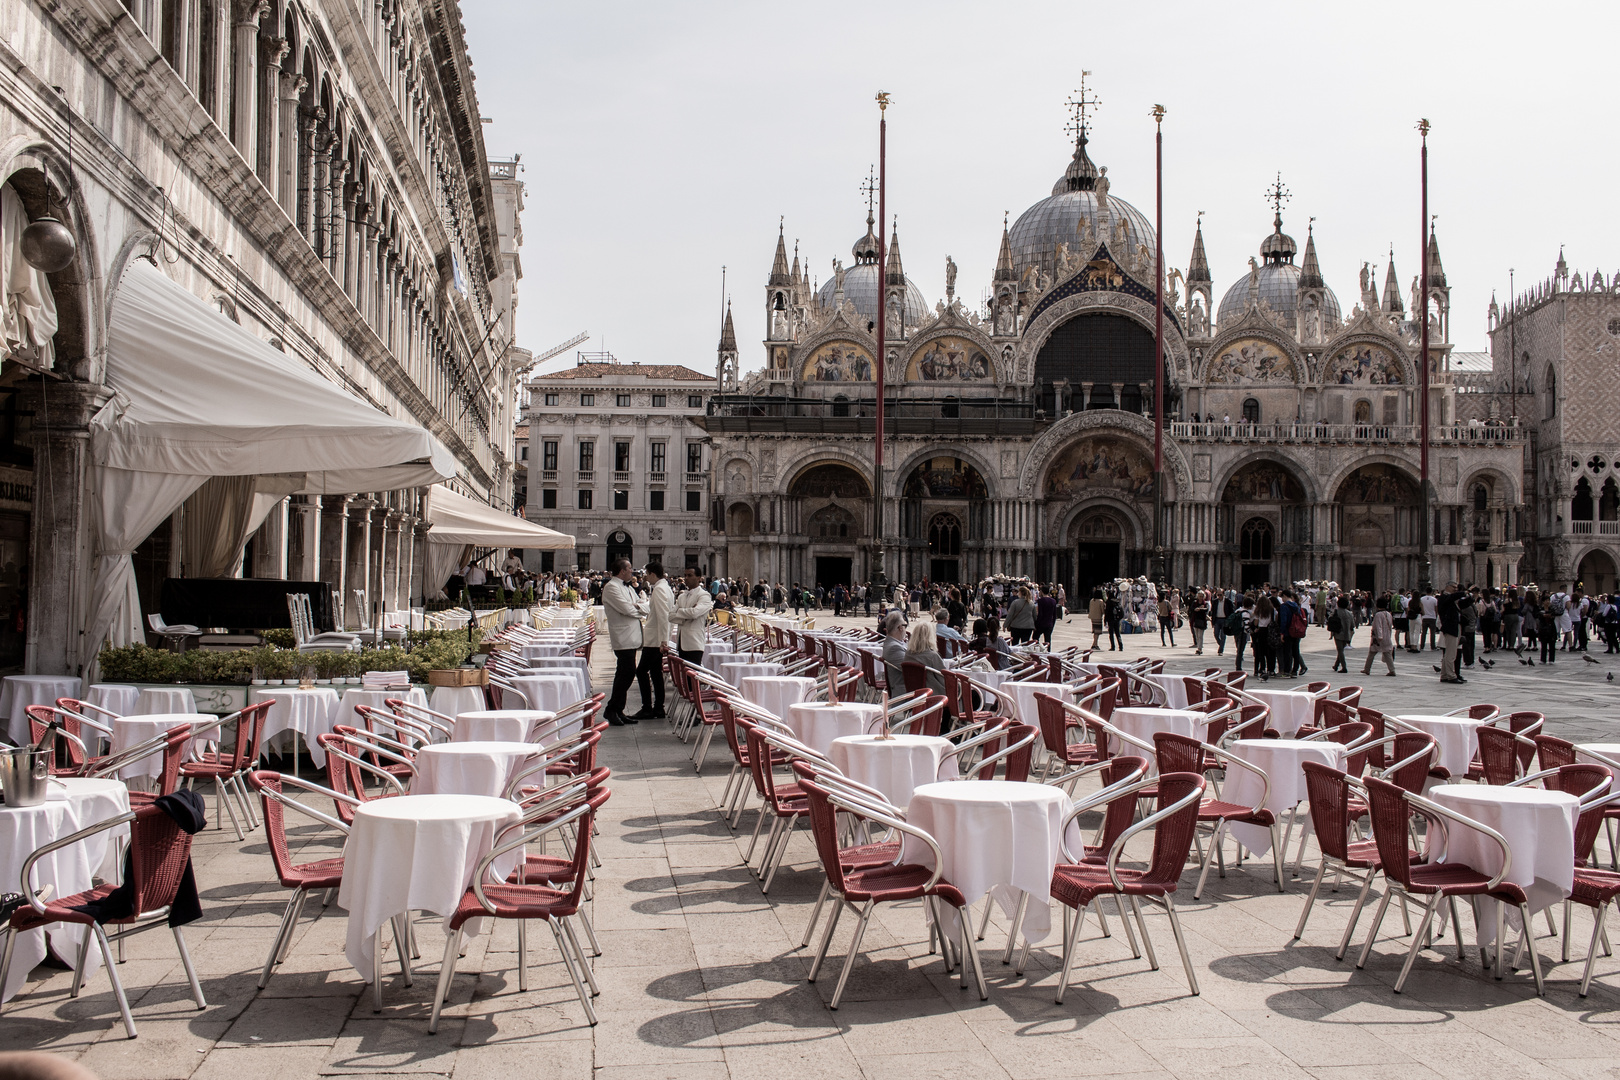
(1020, 429)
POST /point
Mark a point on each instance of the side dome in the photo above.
(1055, 220)
(861, 289)
(1280, 281)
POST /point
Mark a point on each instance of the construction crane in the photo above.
(555, 350)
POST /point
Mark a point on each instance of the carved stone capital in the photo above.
(249, 12)
(293, 86)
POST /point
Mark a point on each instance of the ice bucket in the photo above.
(24, 775)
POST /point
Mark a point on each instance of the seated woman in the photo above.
(923, 648)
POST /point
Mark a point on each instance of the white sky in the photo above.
(662, 141)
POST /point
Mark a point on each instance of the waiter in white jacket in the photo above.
(660, 603)
(691, 614)
(625, 611)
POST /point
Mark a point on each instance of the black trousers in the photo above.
(650, 674)
(623, 675)
(691, 656)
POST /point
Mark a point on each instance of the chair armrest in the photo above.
(1194, 796)
(35, 900)
(1433, 809)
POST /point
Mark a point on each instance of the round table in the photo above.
(154, 700)
(469, 768)
(455, 700)
(1458, 737)
(553, 691)
(896, 766)
(501, 725)
(128, 731)
(735, 672)
(71, 804)
(995, 836)
(535, 652)
(1539, 826)
(376, 699)
(17, 692)
(713, 658)
(1290, 709)
(1282, 760)
(1023, 694)
(116, 698)
(776, 693)
(308, 713)
(416, 853)
(817, 724)
(1142, 721)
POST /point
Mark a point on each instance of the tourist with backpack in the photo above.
(1341, 623)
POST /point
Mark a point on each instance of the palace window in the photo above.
(694, 457)
(621, 401)
(548, 499)
(658, 401)
(1251, 411)
(694, 401)
(694, 502)
(657, 460)
(655, 500)
(621, 457)
(621, 500)
(585, 498)
(1256, 544)
(587, 456)
(548, 454)
(551, 400)
(587, 400)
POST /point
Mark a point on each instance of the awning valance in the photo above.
(455, 519)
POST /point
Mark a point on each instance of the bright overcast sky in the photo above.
(663, 141)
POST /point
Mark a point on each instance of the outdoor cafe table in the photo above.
(1283, 761)
(1290, 709)
(1141, 721)
(995, 836)
(1023, 695)
(735, 673)
(503, 725)
(71, 804)
(714, 659)
(535, 652)
(551, 690)
(818, 724)
(776, 693)
(896, 766)
(17, 692)
(416, 853)
(469, 768)
(1539, 827)
(311, 713)
(376, 699)
(128, 731)
(455, 700)
(116, 698)
(1458, 737)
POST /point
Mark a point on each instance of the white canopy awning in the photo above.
(196, 398)
(455, 519)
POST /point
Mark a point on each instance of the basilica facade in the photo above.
(1020, 432)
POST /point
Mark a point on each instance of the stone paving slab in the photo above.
(703, 978)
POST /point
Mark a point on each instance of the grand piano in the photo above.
(242, 605)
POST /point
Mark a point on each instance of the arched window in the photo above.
(840, 405)
(1609, 501)
(1256, 542)
(1251, 410)
(832, 523)
(945, 536)
(1580, 507)
(1481, 498)
(1363, 412)
(1552, 393)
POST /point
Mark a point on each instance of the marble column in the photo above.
(291, 88)
(61, 548)
(270, 545)
(304, 539)
(334, 549)
(268, 140)
(245, 131)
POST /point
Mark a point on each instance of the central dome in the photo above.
(1056, 219)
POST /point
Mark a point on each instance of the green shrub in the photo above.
(282, 637)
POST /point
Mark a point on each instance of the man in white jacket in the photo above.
(691, 614)
(625, 611)
(660, 603)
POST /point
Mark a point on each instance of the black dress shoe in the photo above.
(616, 719)
(644, 714)
(658, 714)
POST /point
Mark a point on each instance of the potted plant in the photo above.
(280, 664)
(327, 664)
(569, 595)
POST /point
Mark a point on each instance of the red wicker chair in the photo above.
(301, 878)
(1330, 795)
(226, 770)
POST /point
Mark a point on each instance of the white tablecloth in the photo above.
(817, 724)
(535, 652)
(775, 693)
(1283, 761)
(469, 768)
(714, 657)
(1540, 829)
(1609, 750)
(1289, 709)
(131, 731)
(1024, 694)
(1142, 721)
(165, 699)
(996, 836)
(1458, 737)
(310, 713)
(416, 853)
(896, 766)
(115, 698)
(455, 700)
(377, 699)
(552, 692)
(71, 805)
(17, 692)
(735, 673)
(503, 725)
(1173, 687)
(546, 664)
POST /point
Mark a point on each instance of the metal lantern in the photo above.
(48, 245)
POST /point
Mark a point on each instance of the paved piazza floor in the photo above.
(702, 978)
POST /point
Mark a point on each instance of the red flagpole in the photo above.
(1425, 558)
(881, 579)
(1158, 340)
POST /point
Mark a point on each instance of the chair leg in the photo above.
(573, 973)
(1068, 952)
(1213, 852)
(1355, 914)
(1130, 933)
(112, 975)
(1017, 923)
(292, 927)
(815, 915)
(281, 935)
(781, 853)
(1378, 920)
(748, 856)
(854, 951)
(1181, 942)
(579, 955)
(826, 939)
(447, 971)
(1530, 943)
(984, 922)
(974, 959)
(1456, 926)
(376, 971)
(1417, 941)
(1311, 899)
(1147, 942)
(402, 945)
(1278, 856)
(523, 956)
(229, 803)
(590, 932)
(191, 972)
(1591, 949)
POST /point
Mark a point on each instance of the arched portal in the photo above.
(1597, 573)
(619, 545)
(946, 488)
(1096, 361)
(1097, 538)
(1380, 518)
(944, 548)
(833, 506)
(1264, 493)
